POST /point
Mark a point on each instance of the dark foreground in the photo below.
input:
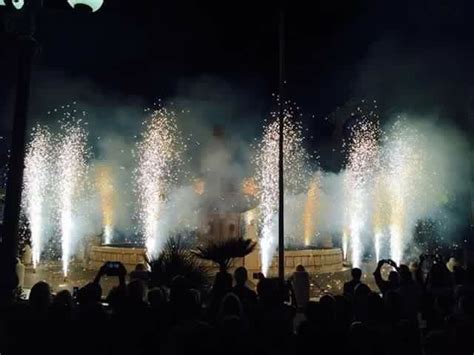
(413, 312)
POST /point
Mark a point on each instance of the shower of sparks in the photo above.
(105, 185)
(362, 161)
(159, 162)
(345, 243)
(379, 213)
(37, 178)
(403, 165)
(72, 170)
(295, 162)
(310, 213)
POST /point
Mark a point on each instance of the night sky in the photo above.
(412, 56)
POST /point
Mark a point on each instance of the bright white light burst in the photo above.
(72, 170)
(159, 161)
(37, 181)
(295, 174)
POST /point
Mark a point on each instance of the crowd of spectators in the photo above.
(415, 310)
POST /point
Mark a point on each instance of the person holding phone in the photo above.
(117, 294)
(112, 268)
(393, 281)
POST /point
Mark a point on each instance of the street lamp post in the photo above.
(26, 45)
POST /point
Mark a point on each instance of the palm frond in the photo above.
(177, 260)
(223, 252)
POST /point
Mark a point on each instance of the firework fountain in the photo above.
(379, 213)
(311, 210)
(403, 169)
(159, 160)
(105, 185)
(295, 163)
(391, 181)
(72, 169)
(362, 162)
(38, 178)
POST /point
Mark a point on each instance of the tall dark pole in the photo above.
(9, 232)
(471, 164)
(281, 78)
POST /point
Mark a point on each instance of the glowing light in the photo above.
(345, 243)
(106, 189)
(379, 213)
(159, 161)
(18, 4)
(310, 211)
(199, 186)
(295, 160)
(94, 5)
(72, 170)
(37, 178)
(362, 163)
(403, 168)
(249, 187)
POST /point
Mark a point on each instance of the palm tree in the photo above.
(223, 252)
(177, 260)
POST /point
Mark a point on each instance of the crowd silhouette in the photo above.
(415, 310)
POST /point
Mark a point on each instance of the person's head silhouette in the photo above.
(230, 306)
(89, 294)
(156, 298)
(40, 297)
(222, 283)
(63, 299)
(393, 278)
(240, 276)
(405, 274)
(267, 291)
(356, 274)
(136, 291)
(300, 268)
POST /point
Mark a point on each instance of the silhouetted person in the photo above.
(191, 334)
(438, 280)
(328, 304)
(89, 299)
(156, 298)
(230, 307)
(40, 300)
(300, 283)
(393, 278)
(361, 302)
(32, 339)
(61, 307)
(466, 288)
(410, 293)
(375, 308)
(247, 296)
(234, 336)
(140, 273)
(136, 306)
(61, 314)
(392, 306)
(222, 285)
(136, 311)
(349, 286)
(274, 319)
(160, 310)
